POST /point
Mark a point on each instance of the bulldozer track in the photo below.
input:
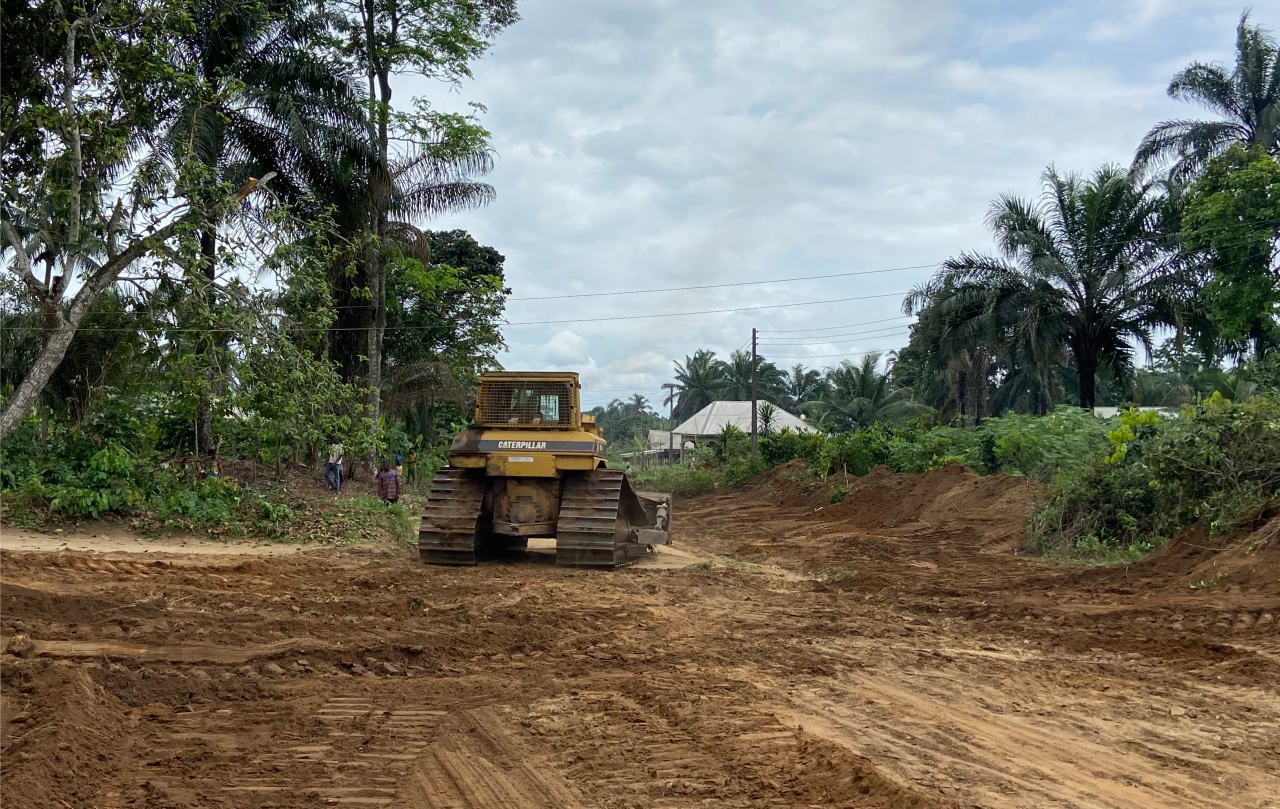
(587, 533)
(447, 534)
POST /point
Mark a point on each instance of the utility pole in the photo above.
(755, 455)
(670, 388)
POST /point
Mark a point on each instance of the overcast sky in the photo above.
(645, 144)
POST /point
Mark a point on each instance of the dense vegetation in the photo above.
(214, 231)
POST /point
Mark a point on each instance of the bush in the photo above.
(858, 453)
(1218, 463)
(779, 448)
(109, 465)
(679, 480)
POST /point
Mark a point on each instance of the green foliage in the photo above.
(1082, 271)
(680, 480)
(1218, 463)
(856, 453)
(702, 379)
(1233, 218)
(110, 466)
(1132, 424)
(448, 310)
(1246, 100)
(786, 445)
(624, 423)
(857, 395)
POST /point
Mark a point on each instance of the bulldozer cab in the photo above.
(547, 401)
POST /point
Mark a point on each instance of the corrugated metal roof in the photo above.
(711, 420)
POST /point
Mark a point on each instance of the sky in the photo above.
(651, 144)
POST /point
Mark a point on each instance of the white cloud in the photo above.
(654, 143)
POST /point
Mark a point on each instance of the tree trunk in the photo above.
(204, 414)
(374, 349)
(24, 398)
(978, 380)
(1258, 333)
(1088, 368)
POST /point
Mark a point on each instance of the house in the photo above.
(711, 420)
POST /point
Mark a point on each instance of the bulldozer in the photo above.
(532, 464)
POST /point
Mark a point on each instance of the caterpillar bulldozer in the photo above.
(531, 464)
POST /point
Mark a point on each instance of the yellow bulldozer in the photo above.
(531, 464)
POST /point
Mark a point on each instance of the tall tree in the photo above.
(1232, 221)
(1247, 100)
(735, 382)
(698, 383)
(625, 423)
(442, 324)
(436, 156)
(962, 339)
(75, 218)
(263, 99)
(1087, 267)
(802, 385)
(858, 395)
(27, 75)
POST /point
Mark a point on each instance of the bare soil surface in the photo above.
(888, 651)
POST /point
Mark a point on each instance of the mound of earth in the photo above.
(991, 508)
(57, 729)
(1247, 558)
(790, 486)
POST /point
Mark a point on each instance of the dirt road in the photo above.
(889, 651)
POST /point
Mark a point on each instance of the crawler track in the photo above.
(448, 533)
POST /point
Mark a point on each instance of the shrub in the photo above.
(858, 452)
(680, 480)
(1218, 463)
(781, 447)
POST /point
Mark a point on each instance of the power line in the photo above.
(705, 311)
(799, 342)
(834, 328)
(722, 286)
(824, 277)
(824, 356)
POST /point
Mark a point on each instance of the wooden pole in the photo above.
(670, 388)
(754, 452)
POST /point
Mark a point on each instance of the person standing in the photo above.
(413, 465)
(389, 483)
(333, 469)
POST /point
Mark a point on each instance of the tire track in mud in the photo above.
(893, 666)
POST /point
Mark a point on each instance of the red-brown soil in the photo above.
(889, 651)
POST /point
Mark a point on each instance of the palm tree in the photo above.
(698, 383)
(802, 384)
(768, 415)
(265, 102)
(962, 343)
(1031, 381)
(858, 396)
(1084, 268)
(1247, 99)
(736, 378)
